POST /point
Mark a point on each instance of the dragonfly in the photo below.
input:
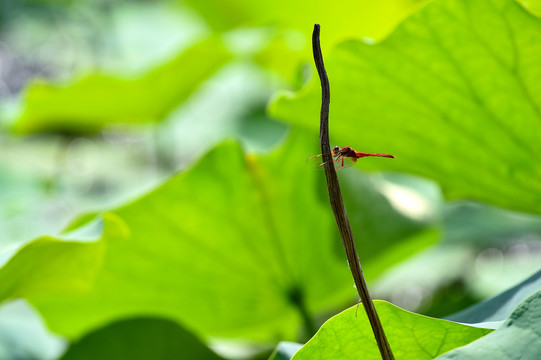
(344, 156)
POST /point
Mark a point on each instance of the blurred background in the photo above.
(101, 101)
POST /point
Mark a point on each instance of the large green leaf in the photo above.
(235, 246)
(519, 337)
(454, 93)
(140, 338)
(87, 104)
(348, 335)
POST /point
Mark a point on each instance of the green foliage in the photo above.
(420, 337)
(453, 93)
(242, 246)
(416, 336)
(20, 277)
(517, 338)
(411, 336)
(93, 101)
(231, 233)
(140, 338)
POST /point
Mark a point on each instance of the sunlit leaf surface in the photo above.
(454, 93)
(348, 335)
(236, 246)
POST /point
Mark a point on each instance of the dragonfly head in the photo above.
(335, 150)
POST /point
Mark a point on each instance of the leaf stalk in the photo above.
(338, 208)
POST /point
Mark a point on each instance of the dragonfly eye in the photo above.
(336, 150)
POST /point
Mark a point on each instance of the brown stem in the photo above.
(338, 208)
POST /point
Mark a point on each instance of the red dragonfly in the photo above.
(345, 154)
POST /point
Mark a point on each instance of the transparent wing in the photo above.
(316, 162)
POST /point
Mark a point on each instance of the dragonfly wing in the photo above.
(344, 162)
(316, 162)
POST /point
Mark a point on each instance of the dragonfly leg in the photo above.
(357, 309)
(338, 159)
